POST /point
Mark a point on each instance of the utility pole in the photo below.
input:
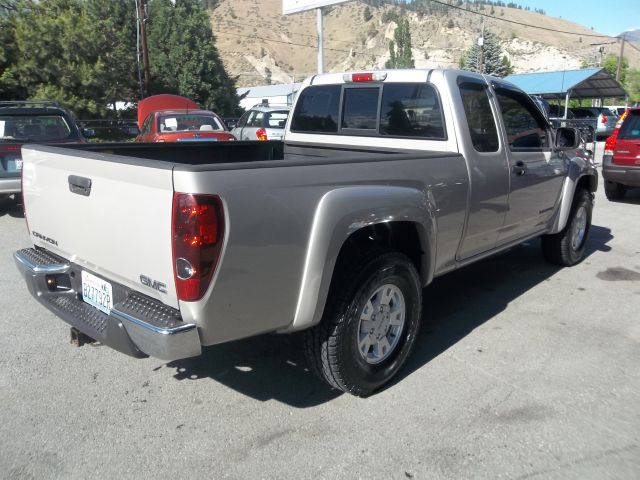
(142, 18)
(481, 45)
(620, 58)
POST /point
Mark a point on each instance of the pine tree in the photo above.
(494, 60)
(183, 57)
(400, 47)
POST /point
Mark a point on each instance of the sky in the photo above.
(610, 17)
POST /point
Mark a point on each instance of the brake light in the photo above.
(610, 144)
(603, 118)
(261, 134)
(198, 234)
(365, 77)
(9, 148)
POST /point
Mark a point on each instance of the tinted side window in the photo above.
(477, 109)
(317, 110)
(243, 120)
(256, 120)
(146, 125)
(525, 128)
(360, 108)
(411, 110)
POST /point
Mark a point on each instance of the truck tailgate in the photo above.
(110, 217)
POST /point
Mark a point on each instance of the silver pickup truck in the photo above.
(384, 181)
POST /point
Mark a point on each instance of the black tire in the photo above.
(614, 190)
(331, 347)
(560, 248)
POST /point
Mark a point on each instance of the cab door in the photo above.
(486, 158)
(536, 170)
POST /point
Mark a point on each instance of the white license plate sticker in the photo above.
(97, 292)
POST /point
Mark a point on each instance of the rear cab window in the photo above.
(400, 110)
(480, 120)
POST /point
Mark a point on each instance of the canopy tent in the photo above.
(585, 83)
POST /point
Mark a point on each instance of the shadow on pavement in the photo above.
(12, 207)
(632, 197)
(272, 367)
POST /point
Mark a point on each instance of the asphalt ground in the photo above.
(521, 370)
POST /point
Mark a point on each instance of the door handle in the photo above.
(520, 168)
(79, 185)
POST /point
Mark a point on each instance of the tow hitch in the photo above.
(79, 339)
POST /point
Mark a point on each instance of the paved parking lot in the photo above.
(522, 370)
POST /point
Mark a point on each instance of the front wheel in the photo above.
(566, 248)
(370, 323)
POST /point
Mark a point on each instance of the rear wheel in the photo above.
(614, 190)
(566, 248)
(370, 322)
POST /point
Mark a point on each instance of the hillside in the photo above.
(260, 46)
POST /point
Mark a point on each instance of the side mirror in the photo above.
(567, 138)
(88, 132)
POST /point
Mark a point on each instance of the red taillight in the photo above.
(9, 148)
(198, 232)
(261, 134)
(603, 117)
(610, 144)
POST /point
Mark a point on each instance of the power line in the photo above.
(265, 24)
(519, 23)
(286, 43)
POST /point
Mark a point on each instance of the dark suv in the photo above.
(30, 122)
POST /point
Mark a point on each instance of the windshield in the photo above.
(38, 128)
(189, 122)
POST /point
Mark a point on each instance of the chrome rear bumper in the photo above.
(137, 325)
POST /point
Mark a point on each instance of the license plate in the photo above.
(97, 292)
(13, 164)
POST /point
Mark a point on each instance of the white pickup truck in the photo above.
(384, 180)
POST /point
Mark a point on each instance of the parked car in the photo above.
(621, 160)
(262, 122)
(30, 122)
(557, 111)
(384, 181)
(606, 119)
(618, 109)
(172, 118)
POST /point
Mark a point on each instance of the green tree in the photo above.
(400, 47)
(632, 85)
(610, 64)
(493, 59)
(64, 50)
(9, 84)
(183, 58)
(366, 14)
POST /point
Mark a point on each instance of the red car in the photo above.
(171, 118)
(621, 161)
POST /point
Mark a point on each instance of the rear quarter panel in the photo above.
(275, 269)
